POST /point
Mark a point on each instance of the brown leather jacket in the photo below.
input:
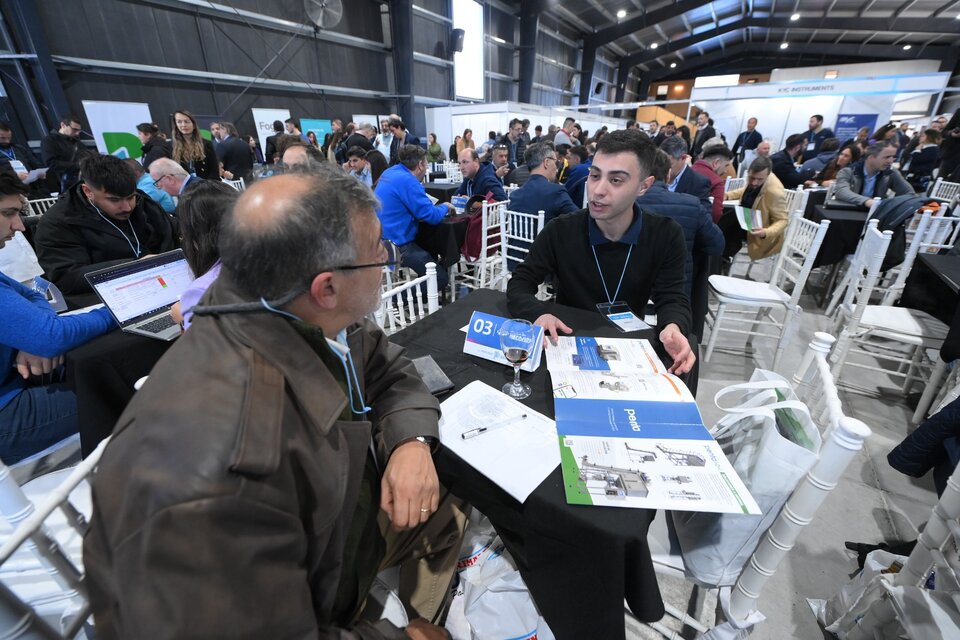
(222, 503)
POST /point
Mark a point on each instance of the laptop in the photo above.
(139, 294)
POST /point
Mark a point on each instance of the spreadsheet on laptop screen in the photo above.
(135, 291)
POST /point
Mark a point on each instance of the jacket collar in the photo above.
(630, 236)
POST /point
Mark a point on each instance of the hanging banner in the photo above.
(849, 123)
(319, 127)
(114, 126)
(264, 119)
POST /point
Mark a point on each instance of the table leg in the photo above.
(930, 391)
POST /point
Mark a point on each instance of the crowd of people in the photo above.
(297, 459)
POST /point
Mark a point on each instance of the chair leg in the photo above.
(755, 327)
(785, 332)
(714, 330)
(912, 371)
(929, 391)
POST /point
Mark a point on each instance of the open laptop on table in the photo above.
(139, 294)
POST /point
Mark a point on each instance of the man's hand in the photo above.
(420, 629)
(29, 364)
(552, 326)
(502, 171)
(23, 175)
(451, 210)
(759, 233)
(678, 348)
(868, 203)
(410, 490)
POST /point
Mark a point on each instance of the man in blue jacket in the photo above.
(404, 203)
(478, 179)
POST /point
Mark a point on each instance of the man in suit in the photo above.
(704, 132)
(784, 161)
(272, 153)
(234, 153)
(684, 179)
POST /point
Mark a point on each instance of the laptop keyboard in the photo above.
(158, 325)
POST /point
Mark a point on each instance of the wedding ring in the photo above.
(424, 510)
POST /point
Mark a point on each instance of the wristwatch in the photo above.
(429, 441)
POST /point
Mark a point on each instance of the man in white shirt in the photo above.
(384, 140)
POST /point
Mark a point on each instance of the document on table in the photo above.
(517, 453)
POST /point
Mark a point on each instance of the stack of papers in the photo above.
(749, 219)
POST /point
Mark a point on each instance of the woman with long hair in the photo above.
(684, 132)
(453, 149)
(466, 142)
(886, 132)
(312, 137)
(378, 164)
(434, 150)
(847, 156)
(194, 152)
(153, 145)
(335, 141)
(201, 210)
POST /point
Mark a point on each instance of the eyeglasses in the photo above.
(157, 182)
(392, 253)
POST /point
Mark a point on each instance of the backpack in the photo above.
(893, 214)
(473, 239)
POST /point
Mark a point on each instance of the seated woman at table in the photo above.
(33, 339)
(201, 209)
(847, 156)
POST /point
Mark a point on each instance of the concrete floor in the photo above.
(873, 503)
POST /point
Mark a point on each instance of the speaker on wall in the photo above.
(456, 40)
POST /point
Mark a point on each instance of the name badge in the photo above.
(811, 146)
(18, 167)
(621, 316)
(483, 341)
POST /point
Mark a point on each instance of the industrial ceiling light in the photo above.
(622, 13)
(784, 45)
(907, 47)
(673, 65)
(654, 45)
(795, 17)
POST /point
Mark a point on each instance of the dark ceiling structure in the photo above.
(682, 38)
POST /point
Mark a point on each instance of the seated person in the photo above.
(847, 156)
(541, 192)
(638, 256)
(764, 192)
(784, 161)
(242, 495)
(923, 159)
(404, 204)
(168, 175)
(145, 184)
(577, 176)
(478, 178)
(713, 165)
(297, 153)
(201, 210)
(357, 165)
(100, 222)
(33, 339)
(812, 167)
(871, 178)
(500, 160)
(683, 179)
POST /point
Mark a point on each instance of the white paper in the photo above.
(615, 354)
(749, 219)
(34, 175)
(517, 456)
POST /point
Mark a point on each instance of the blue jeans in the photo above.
(35, 419)
(414, 257)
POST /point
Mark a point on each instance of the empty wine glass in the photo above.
(517, 340)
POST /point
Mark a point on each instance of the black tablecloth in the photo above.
(843, 235)
(443, 240)
(816, 197)
(934, 286)
(102, 373)
(442, 191)
(579, 562)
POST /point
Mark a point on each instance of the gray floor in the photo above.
(873, 503)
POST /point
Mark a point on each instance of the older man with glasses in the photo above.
(102, 221)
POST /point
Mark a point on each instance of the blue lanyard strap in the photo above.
(603, 280)
(11, 154)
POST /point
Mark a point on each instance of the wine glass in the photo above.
(517, 340)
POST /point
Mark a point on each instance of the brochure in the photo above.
(631, 434)
(749, 219)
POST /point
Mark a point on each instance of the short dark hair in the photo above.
(525, 122)
(933, 135)
(717, 150)
(396, 122)
(633, 141)
(491, 135)
(11, 185)
(536, 153)
(411, 155)
(277, 126)
(68, 118)
(286, 141)
(631, 123)
(356, 151)
(515, 121)
(674, 146)
(581, 152)
(568, 119)
(563, 149)
(538, 128)
(817, 117)
(760, 163)
(148, 127)
(271, 261)
(704, 113)
(794, 140)
(661, 166)
(135, 166)
(4, 126)
(876, 148)
(201, 210)
(830, 144)
(294, 122)
(109, 173)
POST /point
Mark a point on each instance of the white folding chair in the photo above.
(930, 234)
(881, 333)
(42, 590)
(237, 184)
(759, 299)
(843, 438)
(405, 304)
(39, 207)
(518, 233)
(486, 271)
(732, 184)
(945, 191)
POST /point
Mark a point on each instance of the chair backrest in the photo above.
(815, 385)
(409, 302)
(518, 233)
(40, 206)
(734, 183)
(31, 531)
(931, 234)
(945, 191)
(237, 184)
(796, 258)
(792, 198)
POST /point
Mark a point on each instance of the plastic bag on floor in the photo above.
(490, 600)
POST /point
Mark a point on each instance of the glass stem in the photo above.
(516, 375)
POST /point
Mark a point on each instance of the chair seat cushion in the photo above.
(898, 323)
(747, 289)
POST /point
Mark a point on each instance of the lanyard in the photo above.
(622, 273)
(11, 154)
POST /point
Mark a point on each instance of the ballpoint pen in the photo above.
(473, 433)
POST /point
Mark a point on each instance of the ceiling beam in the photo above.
(645, 20)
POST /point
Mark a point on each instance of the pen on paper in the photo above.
(473, 433)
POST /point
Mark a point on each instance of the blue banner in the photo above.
(849, 123)
(319, 127)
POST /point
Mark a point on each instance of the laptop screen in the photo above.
(143, 287)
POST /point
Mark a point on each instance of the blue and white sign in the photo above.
(483, 341)
(849, 123)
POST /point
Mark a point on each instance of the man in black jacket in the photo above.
(704, 132)
(784, 166)
(637, 255)
(362, 137)
(234, 153)
(271, 153)
(100, 222)
(62, 151)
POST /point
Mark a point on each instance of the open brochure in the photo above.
(631, 434)
(749, 219)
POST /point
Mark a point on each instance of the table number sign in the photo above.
(483, 341)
